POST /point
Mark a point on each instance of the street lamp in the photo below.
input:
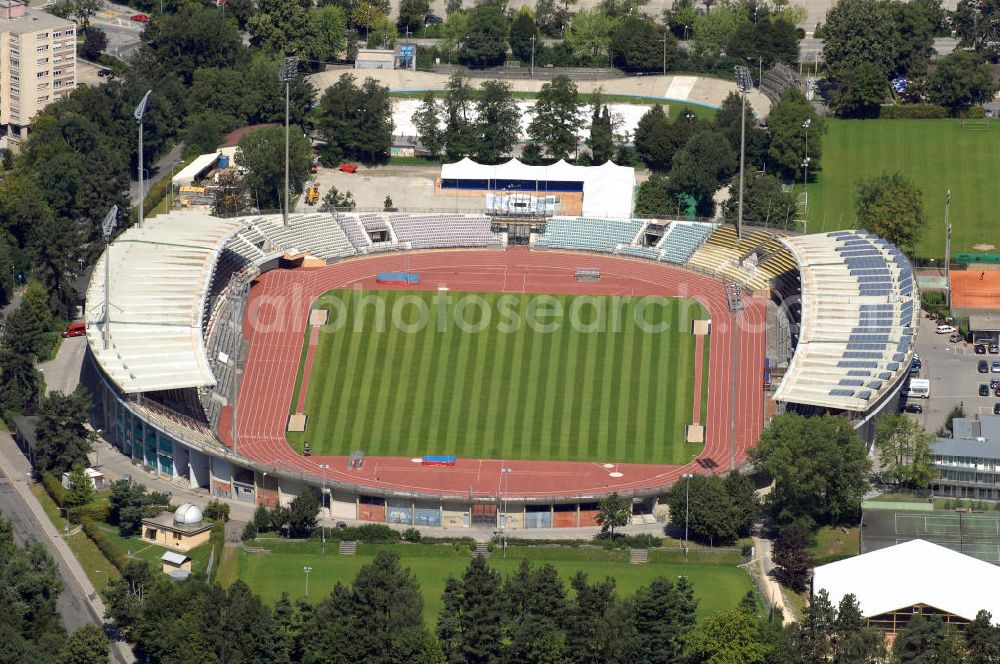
(532, 56)
(286, 74)
(744, 83)
(66, 527)
(307, 569)
(504, 472)
(687, 509)
(140, 110)
(664, 42)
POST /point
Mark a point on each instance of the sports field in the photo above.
(611, 378)
(935, 154)
(718, 586)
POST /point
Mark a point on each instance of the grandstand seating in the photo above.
(321, 234)
(681, 240)
(588, 233)
(429, 231)
(753, 260)
(355, 233)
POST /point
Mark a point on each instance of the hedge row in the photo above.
(54, 488)
(217, 540)
(102, 542)
(925, 112)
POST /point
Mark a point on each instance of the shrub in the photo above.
(249, 532)
(217, 511)
(913, 112)
(411, 535)
(102, 542)
(93, 511)
(54, 488)
(643, 541)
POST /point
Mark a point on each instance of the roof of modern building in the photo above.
(174, 558)
(159, 277)
(988, 322)
(33, 21)
(971, 438)
(857, 326)
(915, 572)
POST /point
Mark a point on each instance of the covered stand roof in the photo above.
(159, 276)
(915, 572)
(859, 304)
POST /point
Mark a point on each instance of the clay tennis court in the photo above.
(277, 317)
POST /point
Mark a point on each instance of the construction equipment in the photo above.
(312, 196)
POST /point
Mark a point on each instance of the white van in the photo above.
(919, 388)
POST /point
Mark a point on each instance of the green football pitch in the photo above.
(611, 378)
(936, 155)
(718, 582)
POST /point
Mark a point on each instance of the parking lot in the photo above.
(954, 378)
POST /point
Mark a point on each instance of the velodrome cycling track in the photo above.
(277, 316)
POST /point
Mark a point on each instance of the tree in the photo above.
(427, 120)
(81, 487)
(714, 30)
(705, 506)
(331, 27)
(129, 503)
(193, 37)
(788, 135)
(961, 80)
(904, 450)
(335, 200)
(860, 92)
(385, 608)
(654, 140)
(614, 512)
(356, 122)
(819, 465)
(652, 200)
(63, 442)
(982, 639)
(764, 201)
(771, 38)
(411, 15)
(262, 153)
(811, 640)
(586, 616)
(663, 614)
(460, 132)
(727, 637)
(524, 35)
(852, 639)
(498, 121)
(791, 555)
(602, 139)
(637, 46)
(858, 31)
(302, 514)
(94, 44)
(84, 9)
(915, 28)
(727, 120)
(556, 120)
(479, 614)
(891, 206)
(589, 36)
(535, 608)
(485, 41)
(87, 645)
(700, 167)
(920, 641)
(975, 23)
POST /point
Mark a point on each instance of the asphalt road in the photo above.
(73, 604)
(124, 34)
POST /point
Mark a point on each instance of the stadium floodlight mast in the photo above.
(140, 111)
(107, 229)
(947, 250)
(286, 74)
(307, 569)
(805, 174)
(745, 84)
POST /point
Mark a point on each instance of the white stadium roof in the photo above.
(160, 275)
(857, 330)
(915, 572)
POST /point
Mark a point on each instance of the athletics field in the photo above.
(503, 376)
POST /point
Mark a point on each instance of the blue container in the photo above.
(223, 161)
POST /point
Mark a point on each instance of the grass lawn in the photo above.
(619, 392)
(833, 544)
(935, 154)
(717, 587)
(97, 568)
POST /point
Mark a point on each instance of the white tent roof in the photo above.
(201, 163)
(915, 572)
(159, 276)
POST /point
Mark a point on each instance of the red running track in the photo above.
(277, 316)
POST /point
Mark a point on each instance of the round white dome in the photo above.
(187, 514)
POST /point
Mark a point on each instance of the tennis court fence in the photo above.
(975, 534)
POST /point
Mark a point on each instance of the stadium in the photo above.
(234, 356)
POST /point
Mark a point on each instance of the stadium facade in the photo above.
(165, 331)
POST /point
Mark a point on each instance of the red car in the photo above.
(75, 330)
(140, 18)
(348, 168)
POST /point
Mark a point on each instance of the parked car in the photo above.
(105, 73)
(980, 349)
(341, 525)
(955, 337)
(996, 366)
(913, 408)
(996, 392)
(140, 18)
(348, 168)
(432, 19)
(984, 390)
(984, 366)
(75, 330)
(945, 329)
(996, 408)
(995, 348)
(994, 383)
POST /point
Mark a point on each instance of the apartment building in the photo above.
(37, 66)
(968, 464)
